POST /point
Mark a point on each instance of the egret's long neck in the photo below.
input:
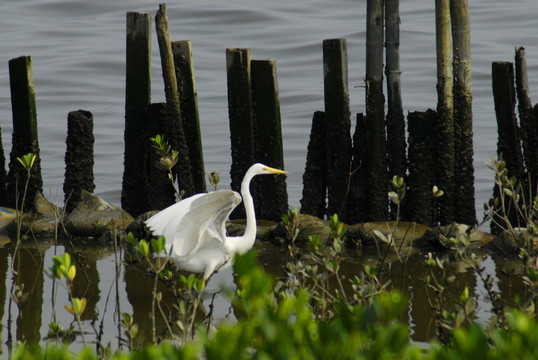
(250, 231)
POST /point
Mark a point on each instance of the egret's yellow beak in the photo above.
(275, 171)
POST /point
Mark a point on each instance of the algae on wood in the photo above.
(314, 197)
(396, 144)
(420, 204)
(337, 126)
(188, 98)
(176, 134)
(241, 113)
(272, 197)
(445, 107)
(463, 114)
(78, 157)
(25, 134)
(376, 163)
(137, 99)
(527, 128)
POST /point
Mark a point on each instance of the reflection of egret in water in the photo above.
(195, 229)
(138, 292)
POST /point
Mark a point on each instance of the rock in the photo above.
(511, 241)
(408, 232)
(93, 217)
(7, 217)
(138, 228)
(418, 235)
(264, 231)
(308, 225)
(42, 219)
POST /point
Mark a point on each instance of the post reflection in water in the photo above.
(28, 284)
(27, 319)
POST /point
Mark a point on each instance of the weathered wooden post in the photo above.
(314, 177)
(445, 107)
(3, 174)
(78, 157)
(272, 196)
(137, 99)
(375, 120)
(508, 145)
(504, 96)
(158, 192)
(463, 115)
(241, 115)
(176, 134)
(25, 134)
(420, 204)
(337, 125)
(188, 98)
(396, 145)
(527, 127)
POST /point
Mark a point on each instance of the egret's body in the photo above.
(195, 231)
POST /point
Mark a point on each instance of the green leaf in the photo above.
(27, 161)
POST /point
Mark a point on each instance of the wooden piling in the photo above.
(3, 175)
(527, 127)
(25, 134)
(508, 145)
(137, 99)
(272, 196)
(188, 98)
(375, 121)
(241, 114)
(463, 115)
(78, 157)
(337, 125)
(176, 136)
(445, 107)
(358, 208)
(420, 203)
(158, 192)
(396, 144)
(314, 177)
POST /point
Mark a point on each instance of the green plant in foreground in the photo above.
(27, 161)
(168, 159)
(187, 291)
(63, 269)
(282, 325)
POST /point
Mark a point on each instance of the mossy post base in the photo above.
(314, 177)
(272, 197)
(159, 192)
(337, 125)
(25, 135)
(137, 99)
(188, 98)
(78, 157)
(358, 208)
(420, 204)
(241, 116)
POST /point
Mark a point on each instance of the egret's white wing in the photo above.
(196, 222)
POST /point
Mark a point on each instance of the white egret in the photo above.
(195, 231)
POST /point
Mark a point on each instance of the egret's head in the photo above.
(260, 169)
